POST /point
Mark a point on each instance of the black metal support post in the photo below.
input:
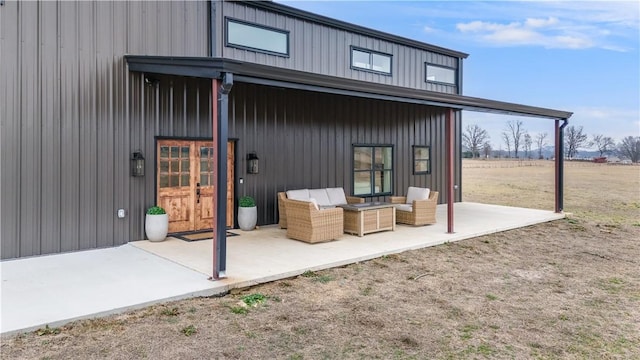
(449, 133)
(559, 150)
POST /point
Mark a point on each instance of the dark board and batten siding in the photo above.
(326, 50)
(304, 140)
(70, 117)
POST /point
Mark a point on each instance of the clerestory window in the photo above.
(440, 74)
(256, 37)
(362, 59)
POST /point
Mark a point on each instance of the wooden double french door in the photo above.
(185, 178)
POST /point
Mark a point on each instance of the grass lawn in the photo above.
(569, 289)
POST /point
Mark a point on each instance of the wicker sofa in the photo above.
(325, 198)
(306, 222)
(417, 208)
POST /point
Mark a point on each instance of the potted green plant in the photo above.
(156, 224)
(247, 213)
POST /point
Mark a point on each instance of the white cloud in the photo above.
(565, 24)
(428, 29)
(537, 23)
(534, 31)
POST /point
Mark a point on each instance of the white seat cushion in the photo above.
(416, 193)
(302, 194)
(336, 196)
(321, 196)
(404, 207)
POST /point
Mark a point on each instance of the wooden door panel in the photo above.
(205, 213)
(175, 183)
(185, 177)
(179, 210)
(204, 182)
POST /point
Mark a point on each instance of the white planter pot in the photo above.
(247, 218)
(156, 227)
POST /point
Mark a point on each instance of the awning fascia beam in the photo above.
(273, 76)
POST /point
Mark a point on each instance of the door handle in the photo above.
(198, 192)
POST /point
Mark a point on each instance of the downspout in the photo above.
(560, 164)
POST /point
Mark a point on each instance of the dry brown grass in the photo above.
(569, 289)
(600, 193)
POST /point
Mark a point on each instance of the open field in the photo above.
(569, 289)
(600, 193)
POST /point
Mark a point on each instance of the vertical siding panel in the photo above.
(106, 214)
(30, 132)
(69, 118)
(50, 113)
(150, 12)
(165, 38)
(10, 88)
(88, 148)
(135, 27)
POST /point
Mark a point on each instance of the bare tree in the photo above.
(574, 138)
(473, 137)
(507, 141)
(486, 149)
(630, 147)
(514, 128)
(604, 144)
(527, 145)
(541, 143)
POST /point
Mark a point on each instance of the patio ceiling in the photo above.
(214, 68)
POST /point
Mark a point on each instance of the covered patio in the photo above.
(237, 88)
(266, 254)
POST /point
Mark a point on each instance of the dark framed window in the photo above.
(421, 159)
(440, 74)
(255, 37)
(372, 170)
(363, 59)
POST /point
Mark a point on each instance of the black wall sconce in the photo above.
(252, 163)
(137, 164)
(151, 81)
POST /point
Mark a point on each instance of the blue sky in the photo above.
(578, 56)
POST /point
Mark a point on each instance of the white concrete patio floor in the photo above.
(56, 289)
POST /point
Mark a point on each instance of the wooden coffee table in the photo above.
(360, 219)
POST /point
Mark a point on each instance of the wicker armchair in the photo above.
(422, 212)
(306, 223)
(282, 213)
(282, 197)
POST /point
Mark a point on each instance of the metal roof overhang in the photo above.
(206, 67)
